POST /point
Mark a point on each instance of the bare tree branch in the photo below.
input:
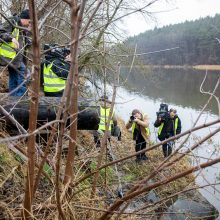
(48, 14)
(35, 85)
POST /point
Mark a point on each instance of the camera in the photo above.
(163, 112)
(54, 50)
(132, 118)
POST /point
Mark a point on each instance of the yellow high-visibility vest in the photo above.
(52, 83)
(175, 126)
(134, 125)
(7, 49)
(104, 114)
(160, 128)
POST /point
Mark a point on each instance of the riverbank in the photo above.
(107, 185)
(197, 67)
(207, 67)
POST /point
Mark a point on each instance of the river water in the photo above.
(179, 88)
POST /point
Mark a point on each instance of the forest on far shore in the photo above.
(197, 41)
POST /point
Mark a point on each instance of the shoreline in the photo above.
(206, 67)
(196, 67)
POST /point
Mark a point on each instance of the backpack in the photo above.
(4, 61)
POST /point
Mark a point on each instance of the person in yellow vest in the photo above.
(168, 127)
(139, 123)
(105, 106)
(55, 70)
(13, 42)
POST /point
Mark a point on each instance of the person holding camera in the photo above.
(54, 70)
(139, 124)
(13, 44)
(168, 124)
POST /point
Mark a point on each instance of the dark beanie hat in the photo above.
(25, 14)
(104, 98)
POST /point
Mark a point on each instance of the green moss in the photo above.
(2, 158)
(107, 173)
(47, 169)
(7, 157)
(84, 184)
(128, 178)
(7, 161)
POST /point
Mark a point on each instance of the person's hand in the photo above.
(136, 120)
(15, 42)
(68, 58)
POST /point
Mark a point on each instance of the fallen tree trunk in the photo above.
(88, 116)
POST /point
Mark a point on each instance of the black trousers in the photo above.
(54, 94)
(98, 145)
(167, 148)
(140, 145)
(98, 142)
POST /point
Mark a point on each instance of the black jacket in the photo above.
(59, 67)
(6, 30)
(168, 128)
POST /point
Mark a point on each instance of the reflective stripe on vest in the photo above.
(176, 125)
(134, 125)
(104, 114)
(160, 128)
(7, 50)
(52, 83)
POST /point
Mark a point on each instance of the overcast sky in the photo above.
(176, 11)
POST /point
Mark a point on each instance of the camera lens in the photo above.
(132, 118)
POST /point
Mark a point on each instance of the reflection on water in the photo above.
(179, 86)
(188, 116)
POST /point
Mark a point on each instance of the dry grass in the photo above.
(80, 206)
(3, 81)
(7, 162)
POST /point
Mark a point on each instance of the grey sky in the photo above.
(176, 11)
